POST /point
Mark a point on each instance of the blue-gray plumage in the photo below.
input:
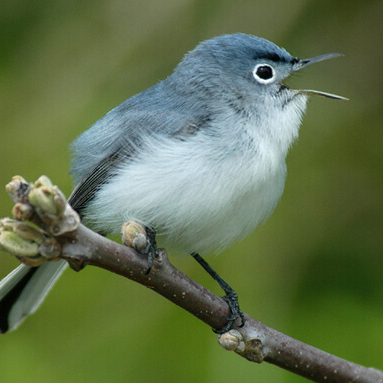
(199, 157)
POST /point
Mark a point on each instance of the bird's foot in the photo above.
(142, 239)
(231, 298)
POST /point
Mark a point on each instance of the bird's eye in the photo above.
(264, 73)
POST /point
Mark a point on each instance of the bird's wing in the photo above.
(88, 185)
(122, 146)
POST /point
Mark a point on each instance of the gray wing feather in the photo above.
(160, 110)
(124, 134)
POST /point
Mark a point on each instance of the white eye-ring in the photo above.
(264, 73)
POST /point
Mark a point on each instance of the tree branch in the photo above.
(81, 247)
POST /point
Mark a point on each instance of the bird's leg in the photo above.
(142, 239)
(151, 247)
(230, 297)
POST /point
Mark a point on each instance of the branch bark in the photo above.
(60, 235)
(254, 341)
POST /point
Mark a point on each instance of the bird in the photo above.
(198, 158)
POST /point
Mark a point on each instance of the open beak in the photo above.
(305, 62)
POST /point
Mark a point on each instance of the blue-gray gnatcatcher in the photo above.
(198, 157)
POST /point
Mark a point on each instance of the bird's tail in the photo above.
(23, 290)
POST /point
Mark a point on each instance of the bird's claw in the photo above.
(142, 239)
(232, 300)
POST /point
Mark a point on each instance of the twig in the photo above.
(80, 246)
(255, 341)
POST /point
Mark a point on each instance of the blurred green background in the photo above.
(314, 271)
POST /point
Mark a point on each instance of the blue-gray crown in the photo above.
(242, 45)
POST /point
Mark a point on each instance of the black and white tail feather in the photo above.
(24, 289)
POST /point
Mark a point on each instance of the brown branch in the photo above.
(62, 236)
(254, 341)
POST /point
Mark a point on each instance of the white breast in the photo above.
(200, 194)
